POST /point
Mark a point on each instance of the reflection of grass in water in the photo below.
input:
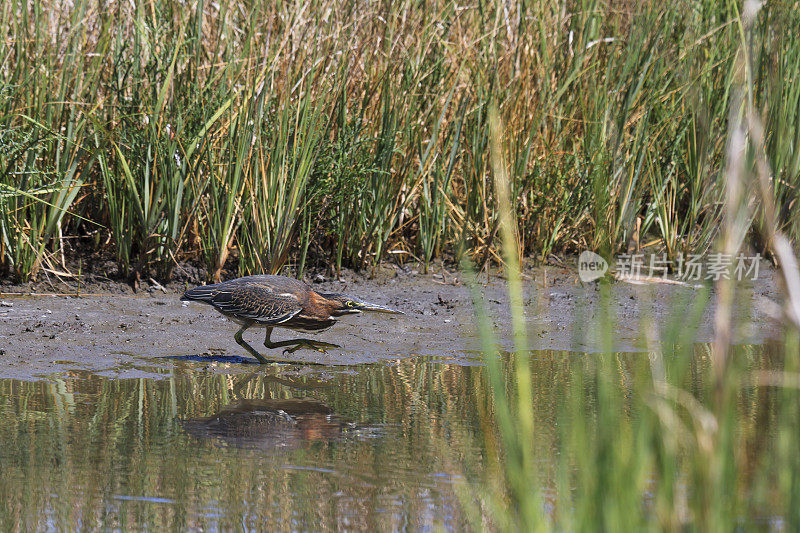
(77, 444)
(72, 447)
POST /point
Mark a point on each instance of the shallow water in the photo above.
(368, 447)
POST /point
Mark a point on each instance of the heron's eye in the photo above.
(351, 304)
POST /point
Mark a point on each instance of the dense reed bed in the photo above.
(251, 136)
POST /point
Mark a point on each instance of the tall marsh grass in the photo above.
(250, 136)
(687, 438)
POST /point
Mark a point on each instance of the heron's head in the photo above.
(350, 305)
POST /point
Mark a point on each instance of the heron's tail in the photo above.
(203, 293)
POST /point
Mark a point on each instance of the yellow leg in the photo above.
(296, 344)
(243, 343)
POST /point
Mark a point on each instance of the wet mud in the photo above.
(118, 333)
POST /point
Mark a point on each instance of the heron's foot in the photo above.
(265, 360)
(319, 346)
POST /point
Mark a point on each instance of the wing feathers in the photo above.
(248, 300)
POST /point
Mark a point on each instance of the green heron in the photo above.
(278, 301)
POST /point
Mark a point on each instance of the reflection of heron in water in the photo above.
(269, 424)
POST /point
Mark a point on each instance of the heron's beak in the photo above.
(375, 308)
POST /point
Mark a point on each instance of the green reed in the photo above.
(616, 119)
(45, 162)
(642, 441)
(687, 438)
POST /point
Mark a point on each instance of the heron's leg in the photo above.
(261, 359)
(267, 342)
(243, 343)
(319, 346)
(296, 344)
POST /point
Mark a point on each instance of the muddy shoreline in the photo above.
(108, 329)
